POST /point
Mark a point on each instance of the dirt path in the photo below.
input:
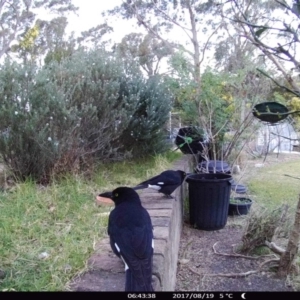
(198, 260)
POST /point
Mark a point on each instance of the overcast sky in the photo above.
(89, 15)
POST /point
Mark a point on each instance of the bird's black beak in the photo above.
(105, 198)
(106, 195)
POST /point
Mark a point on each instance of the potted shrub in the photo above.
(221, 125)
(239, 206)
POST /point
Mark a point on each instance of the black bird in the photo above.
(165, 183)
(131, 238)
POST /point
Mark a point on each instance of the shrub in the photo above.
(53, 118)
(145, 133)
(64, 116)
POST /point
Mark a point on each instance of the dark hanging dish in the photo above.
(190, 140)
(271, 112)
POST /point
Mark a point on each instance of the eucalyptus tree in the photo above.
(191, 23)
(273, 28)
(236, 56)
(147, 50)
(276, 35)
(17, 17)
(196, 26)
(93, 37)
(45, 39)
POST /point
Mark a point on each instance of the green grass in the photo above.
(130, 173)
(61, 220)
(271, 188)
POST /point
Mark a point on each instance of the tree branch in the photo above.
(291, 176)
(278, 84)
(185, 29)
(141, 20)
(285, 136)
(206, 43)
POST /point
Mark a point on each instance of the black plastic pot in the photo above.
(209, 200)
(214, 166)
(242, 206)
(190, 141)
(239, 188)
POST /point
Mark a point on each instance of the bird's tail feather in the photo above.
(131, 285)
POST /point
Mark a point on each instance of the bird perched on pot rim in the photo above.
(131, 237)
(166, 182)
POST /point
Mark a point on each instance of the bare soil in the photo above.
(208, 260)
(201, 269)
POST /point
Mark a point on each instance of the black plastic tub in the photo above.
(214, 166)
(239, 188)
(209, 200)
(239, 206)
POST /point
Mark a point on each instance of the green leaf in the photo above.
(260, 31)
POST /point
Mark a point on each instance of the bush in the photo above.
(145, 133)
(62, 117)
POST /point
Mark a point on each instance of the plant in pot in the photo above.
(239, 206)
(212, 109)
(217, 114)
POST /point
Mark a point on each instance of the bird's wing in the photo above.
(131, 236)
(168, 177)
(111, 232)
(149, 181)
(139, 261)
(138, 257)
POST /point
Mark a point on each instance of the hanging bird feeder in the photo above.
(271, 112)
(191, 140)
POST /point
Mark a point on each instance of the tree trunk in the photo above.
(287, 258)
(195, 42)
